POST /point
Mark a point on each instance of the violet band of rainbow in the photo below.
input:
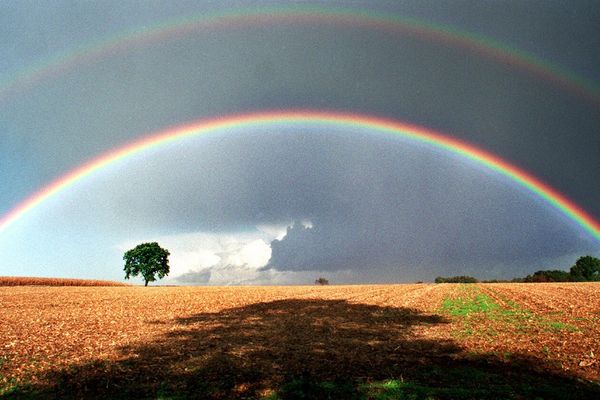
(300, 117)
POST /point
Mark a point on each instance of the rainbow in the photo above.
(301, 118)
(303, 14)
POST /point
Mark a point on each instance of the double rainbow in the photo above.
(303, 117)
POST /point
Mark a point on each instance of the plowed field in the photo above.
(442, 341)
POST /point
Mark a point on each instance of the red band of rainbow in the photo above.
(299, 117)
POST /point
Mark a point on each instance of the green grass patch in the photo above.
(471, 305)
(560, 326)
(464, 306)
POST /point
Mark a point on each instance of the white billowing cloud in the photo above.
(221, 258)
(182, 261)
(254, 254)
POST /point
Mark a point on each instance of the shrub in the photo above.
(321, 281)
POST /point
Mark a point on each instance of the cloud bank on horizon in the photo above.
(286, 205)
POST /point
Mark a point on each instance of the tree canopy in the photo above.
(586, 268)
(147, 259)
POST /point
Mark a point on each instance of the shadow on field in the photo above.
(305, 349)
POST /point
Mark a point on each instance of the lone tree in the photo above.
(149, 260)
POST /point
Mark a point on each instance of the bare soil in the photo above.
(250, 342)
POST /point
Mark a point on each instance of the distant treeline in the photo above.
(456, 279)
(586, 269)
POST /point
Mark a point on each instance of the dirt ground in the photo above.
(251, 342)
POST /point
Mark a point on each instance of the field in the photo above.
(34, 281)
(418, 341)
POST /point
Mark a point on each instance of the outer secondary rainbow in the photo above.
(303, 14)
(303, 117)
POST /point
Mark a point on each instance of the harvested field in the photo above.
(444, 341)
(34, 281)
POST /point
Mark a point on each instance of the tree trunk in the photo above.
(146, 283)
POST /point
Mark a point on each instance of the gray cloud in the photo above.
(195, 277)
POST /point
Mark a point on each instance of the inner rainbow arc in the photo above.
(300, 117)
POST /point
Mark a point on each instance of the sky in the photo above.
(283, 203)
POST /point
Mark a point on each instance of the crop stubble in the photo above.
(558, 322)
(47, 329)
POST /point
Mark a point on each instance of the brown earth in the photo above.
(249, 342)
(36, 281)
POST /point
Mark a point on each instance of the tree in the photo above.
(586, 268)
(321, 281)
(149, 260)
